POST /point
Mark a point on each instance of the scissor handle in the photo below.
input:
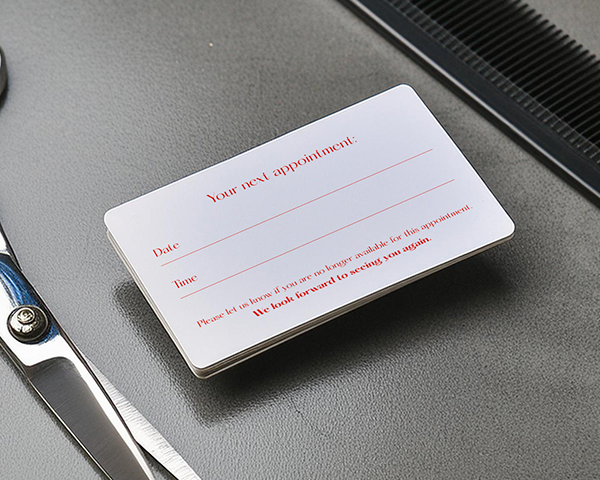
(2, 71)
(25, 320)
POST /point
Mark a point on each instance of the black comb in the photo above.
(517, 65)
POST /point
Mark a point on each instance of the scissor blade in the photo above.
(78, 401)
(145, 434)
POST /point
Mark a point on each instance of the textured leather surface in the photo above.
(489, 369)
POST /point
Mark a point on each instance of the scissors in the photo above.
(106, 425)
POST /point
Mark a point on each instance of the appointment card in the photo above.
(250, 252)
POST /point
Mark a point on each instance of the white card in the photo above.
(250, 252)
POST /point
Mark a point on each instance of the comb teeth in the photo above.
(530, 73)
(535, 63)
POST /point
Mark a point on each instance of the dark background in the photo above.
(488, 369)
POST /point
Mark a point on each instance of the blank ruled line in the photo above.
(317, 239)
(295, 208)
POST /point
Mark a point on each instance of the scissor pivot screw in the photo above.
(27, 323)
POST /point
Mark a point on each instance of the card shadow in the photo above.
(433, 306)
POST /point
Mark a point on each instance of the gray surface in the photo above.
(489, 369)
